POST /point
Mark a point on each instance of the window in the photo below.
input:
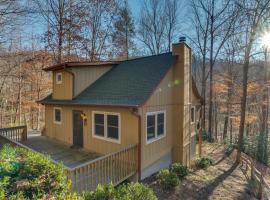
(58, 78)
(106, 126)
(192, 114)
(57, 115)
(155, 126)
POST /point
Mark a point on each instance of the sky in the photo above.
(39, 26)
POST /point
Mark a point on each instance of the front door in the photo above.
(77, 129)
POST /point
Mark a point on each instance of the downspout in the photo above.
(135, 113)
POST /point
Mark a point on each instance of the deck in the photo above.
(84, 168)
(59, 152)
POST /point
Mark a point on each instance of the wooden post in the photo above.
(252, 170)
(260, 192)
(24, 133)
(200, 142)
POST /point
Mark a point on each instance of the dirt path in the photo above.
(224, 180)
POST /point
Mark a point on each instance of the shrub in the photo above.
(228, 150)
(168, 178)
(203, 162)
(105, 192)
(180, 170)
(27, 175)
(134, 191)
(162, 175)
(130, 191)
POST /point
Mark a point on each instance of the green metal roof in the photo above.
(127, 84)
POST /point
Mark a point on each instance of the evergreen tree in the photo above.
(124, 32)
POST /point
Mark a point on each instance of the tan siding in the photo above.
(196, 103)
(173, 96)
(64, 131)
(153, 151)
(85, 76)
(64, 90)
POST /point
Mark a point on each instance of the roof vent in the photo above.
(182, 39)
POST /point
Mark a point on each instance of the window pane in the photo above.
(99, 125)
(59, 77)
(150, 132)
(99, 119)
(113, 133)
(160, 129)
(161, 118)
(151, 127)
(112, 120)
(57, 115)
(99, 130)
(150, 120)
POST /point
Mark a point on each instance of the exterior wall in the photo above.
(64, 131)
(195, 103)
(172, 95)
(161, 100)
(85, 76)
(65, 89)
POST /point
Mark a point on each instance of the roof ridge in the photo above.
(142, 57)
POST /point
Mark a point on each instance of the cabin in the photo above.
(151, 102)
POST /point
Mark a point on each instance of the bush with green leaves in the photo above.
(134, 191)
(228, 149)
(180, 170)
(167, 178)
(130, 191)
(28, 175)
(105, 192)
(203, 162)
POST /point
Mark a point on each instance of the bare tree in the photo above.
(98, 21)
(124, 32)
(254, 14)
(152, 26)
(200, 22)
(11, 15)
(215, 19)
(54, 13)
(171, 25)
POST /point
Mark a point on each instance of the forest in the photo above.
(230, 40)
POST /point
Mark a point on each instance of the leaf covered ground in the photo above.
(224, 180)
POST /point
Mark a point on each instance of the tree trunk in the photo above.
(225, 130)
(211, 71)
(244, 97)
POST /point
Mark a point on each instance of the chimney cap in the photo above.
(182, 39)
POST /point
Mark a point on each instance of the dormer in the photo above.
(71, 78)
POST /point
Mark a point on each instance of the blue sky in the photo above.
(38, 27)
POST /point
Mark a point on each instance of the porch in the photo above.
(85, 169)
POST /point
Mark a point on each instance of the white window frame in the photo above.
(56, 77)
(106, 138)
(194, 113)
(57, 122)
(156, 138)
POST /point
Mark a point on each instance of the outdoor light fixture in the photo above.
(84, 118)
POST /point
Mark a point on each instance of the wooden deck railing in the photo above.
(113, 168)
(17, 133)
(263, 189)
